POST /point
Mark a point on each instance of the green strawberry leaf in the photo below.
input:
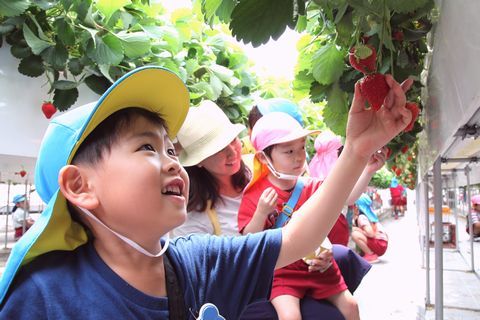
(56, 56)
(253, 21)
(65, 84)
(64, 99)
(20, 52)
(31, 66)
(135, 44)
(406, 6)
(327, 64)
(37, 44)
(11, 8)
(335, 113)
(108, 50)
(108, 7)
(75, 66)
(97, 84)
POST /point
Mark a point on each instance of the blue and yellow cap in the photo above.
(153, 88)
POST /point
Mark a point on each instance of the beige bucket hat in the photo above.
(206, 131)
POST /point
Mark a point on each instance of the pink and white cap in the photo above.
(277, 127)
(476, 199)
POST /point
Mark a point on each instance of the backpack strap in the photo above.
(176, 302)
(212, 215)
(288, 207)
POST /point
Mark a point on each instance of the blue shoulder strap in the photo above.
(287, 210)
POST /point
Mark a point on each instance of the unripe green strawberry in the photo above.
(374, 89)
(363, 58)
(415, 110)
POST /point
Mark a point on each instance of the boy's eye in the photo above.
(147, 147)
(171, 152)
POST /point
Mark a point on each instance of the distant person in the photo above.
(21, 218)
(475, 216)
(367, 232)
(398, 197)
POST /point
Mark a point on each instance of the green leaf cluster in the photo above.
(71, 42)
(396, 29)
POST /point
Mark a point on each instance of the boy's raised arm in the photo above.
(367, 132)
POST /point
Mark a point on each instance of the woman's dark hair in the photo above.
(253, 116)
(204, 186)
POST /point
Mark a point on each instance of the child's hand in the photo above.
(377, 160)
(321, 263)
(369, 130)
(267, 202)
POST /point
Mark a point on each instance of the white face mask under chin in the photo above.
(128, 241)
(280, 175)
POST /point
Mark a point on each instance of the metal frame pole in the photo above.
(455, 211)
(437, 200)
(469, 215)
(427, 244)
(7, 214)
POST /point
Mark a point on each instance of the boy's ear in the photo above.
(76, 187)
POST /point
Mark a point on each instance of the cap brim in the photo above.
(153, 88)
(295, 135)
(222, 140)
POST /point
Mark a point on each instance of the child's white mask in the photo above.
(281, 175)
(128, 241)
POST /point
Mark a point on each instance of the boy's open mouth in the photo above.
(174, 188)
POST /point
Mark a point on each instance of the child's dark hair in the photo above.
(204, 186)
(107, 133)
(253, 116)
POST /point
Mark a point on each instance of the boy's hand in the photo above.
(369, 130)
(267, 202)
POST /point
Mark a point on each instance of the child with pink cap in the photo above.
(268, 202)
(328, 148)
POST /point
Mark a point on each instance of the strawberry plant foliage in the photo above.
(74, 42)
(395, 29)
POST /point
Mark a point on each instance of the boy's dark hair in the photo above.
(107, 133)
(253, 116)
(204, 186)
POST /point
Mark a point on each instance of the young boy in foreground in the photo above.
(114, 187)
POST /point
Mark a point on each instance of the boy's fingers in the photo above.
(407, 84)
(398, 95)
(358, 103)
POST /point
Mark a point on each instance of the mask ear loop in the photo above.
(128, 241)
(280, 175)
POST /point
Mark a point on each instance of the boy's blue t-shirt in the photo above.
(229, 272)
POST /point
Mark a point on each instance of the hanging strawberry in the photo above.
(374, 89)
(415, 110)
(404, 149)
(363, 57)
(48, 109)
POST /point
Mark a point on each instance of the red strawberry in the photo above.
(363, 58)
(389, 153)
(397, 35)
(404, 149)
(398, 171)
(22, 173)
(374, 89)
(48, 109)
(394, 167)
(415, 110)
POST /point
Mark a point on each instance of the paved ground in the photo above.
(394, 289)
